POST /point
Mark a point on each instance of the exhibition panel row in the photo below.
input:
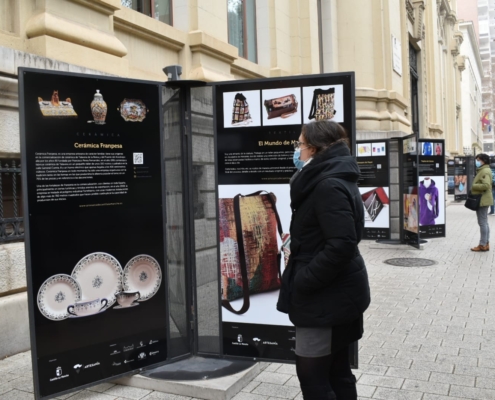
(110, 238)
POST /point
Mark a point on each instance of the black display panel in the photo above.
(257, 124)
(95, 249)
(408, 163)
(462, 177)
(450, 177)
(374, 185)
(431, 188)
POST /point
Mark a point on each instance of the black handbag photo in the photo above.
(473, 201)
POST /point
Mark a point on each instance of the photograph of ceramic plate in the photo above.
(143, 274)
(133, 110)
(100, 277)
(56, 294)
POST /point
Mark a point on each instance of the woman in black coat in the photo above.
(325, 287)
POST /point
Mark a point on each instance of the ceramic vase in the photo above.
(99, 108)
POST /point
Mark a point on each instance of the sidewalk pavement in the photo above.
(429, 332)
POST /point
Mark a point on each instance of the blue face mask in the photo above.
(297, 162)
(478, 163)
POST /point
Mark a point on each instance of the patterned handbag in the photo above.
(322, 106)
(240, 111)
(281, 106)
(249, 254)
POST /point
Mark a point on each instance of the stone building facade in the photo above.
(405, 54)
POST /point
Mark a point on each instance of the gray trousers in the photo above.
(482, 214)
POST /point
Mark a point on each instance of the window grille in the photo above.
(11, 212)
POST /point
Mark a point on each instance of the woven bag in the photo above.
(240, 111)
(249, 254)
(323, 104)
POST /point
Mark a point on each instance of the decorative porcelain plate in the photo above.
(100, 277)
(56, 294)
(142, 274)
(133, 110)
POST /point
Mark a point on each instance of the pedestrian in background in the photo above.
(482, 184)
(325, 288)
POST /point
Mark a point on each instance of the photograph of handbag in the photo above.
(240, 111)
(282, 107)
(373, 201)
(249, 253)
(473, 201)
(322, 106)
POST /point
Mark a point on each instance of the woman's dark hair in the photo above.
(323, 134)
(483, 157)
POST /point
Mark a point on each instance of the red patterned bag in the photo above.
(249, 254)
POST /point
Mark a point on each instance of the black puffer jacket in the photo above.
(325, 282)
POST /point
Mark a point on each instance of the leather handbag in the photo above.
(473, 201)
(323, 104)
(249, 254)
(281, 106)
(240, 110)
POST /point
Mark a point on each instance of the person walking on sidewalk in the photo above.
(325, 288)
(482, 184)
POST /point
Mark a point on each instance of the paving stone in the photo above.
(272, 367)
(462, 380)
(485, 383)
(408, 373)
(371, 369)
(426, 387)
(414, 355)
(472, 393)
(474, 371)
(378, 351)
(294, 382)
(457, 360)
(66, 396)
(268, 389)
(287, 369)
(429, 396)
(101, 387)
(365, 390)
(164, 396)
(17, 395)
(381, 381)
(87, 395)
(433, 366)
(272, 377)
(249, 396)
(391, 362)
(127, 391)
(394, 394)
(250, 386)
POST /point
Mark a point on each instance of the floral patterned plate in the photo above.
(56, 294)
(142, 274)
(100, 277)
(133, 110)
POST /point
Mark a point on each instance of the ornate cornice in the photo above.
(410, 10)
(418, 21)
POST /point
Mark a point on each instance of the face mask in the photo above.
(427, 183)
(478, 163)
(297, 162)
